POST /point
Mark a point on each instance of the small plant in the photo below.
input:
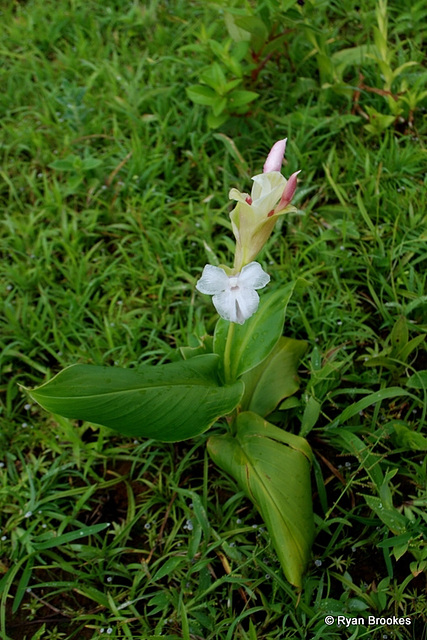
(401, 86)
(253, 41)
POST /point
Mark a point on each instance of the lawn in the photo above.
(124, 127)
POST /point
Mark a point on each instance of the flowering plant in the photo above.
(241, 373)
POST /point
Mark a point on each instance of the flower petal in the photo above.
(275, 157)
(225, 304)
(247, 301)
(236, 305)
(213, 280)
(252, 276)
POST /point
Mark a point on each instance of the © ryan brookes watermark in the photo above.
(347, 621)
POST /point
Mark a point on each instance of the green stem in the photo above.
(227, 350)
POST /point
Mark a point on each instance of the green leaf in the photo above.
(241, 98)
(276, 44)
(253, 341)
(48, 541)
(169, 402)
(418, 380)
(70, 163)
(256, 27)
(232, 84)
(354, 56)
(214, 77)
(372, 398)
(390, 516)
(272, 467)
(168, 567)
(201, 95)
(410, 347)
(90, 163)
(236, 33)
(205, 346)
(399, 335)
(353, 444)
(310, 416)
(216, 121)
(275, 378)
(219, 106)
(409, 439)
(23, 584)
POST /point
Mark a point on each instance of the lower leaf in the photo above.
(272, 467)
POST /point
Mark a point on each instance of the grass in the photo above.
(114, 196)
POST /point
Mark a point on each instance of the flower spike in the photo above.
(255, 214)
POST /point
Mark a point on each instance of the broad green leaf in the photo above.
(216, 121)
(240, 98)
(252, 341)
(214, 77)
(409, 439)
(256, 27)
(275, 378)
(356, 604)
(169, 402)
(418, 380)
(381, 361)
(236, 33)
(90, 163)
(272, 467)
(403, 539)
(218, 106)
(232, 84)
(70, 163)
(201, 95)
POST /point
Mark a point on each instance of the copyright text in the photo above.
(370, 620)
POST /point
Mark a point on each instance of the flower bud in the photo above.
(275, 157)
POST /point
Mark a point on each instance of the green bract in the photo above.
(254, 216)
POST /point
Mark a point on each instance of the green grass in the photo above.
(114, 195)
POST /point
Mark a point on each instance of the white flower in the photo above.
(234, 297)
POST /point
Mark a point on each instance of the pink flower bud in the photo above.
(275, 157)
(288, 192)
